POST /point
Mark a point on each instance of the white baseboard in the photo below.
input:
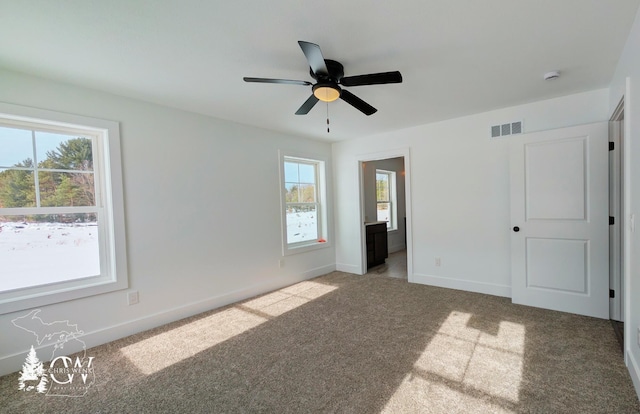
(634, 370)
(341, 267)
(461, 284)
(13, 363)
(318, 271)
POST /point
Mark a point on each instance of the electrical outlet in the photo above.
(281, 263)
(438, 262)
(133, 298)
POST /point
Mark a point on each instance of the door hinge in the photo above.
(612, 293)
(612, 221)
(611, 146)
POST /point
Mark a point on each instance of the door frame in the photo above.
(626, 220)
(617, 210)
(377, 156)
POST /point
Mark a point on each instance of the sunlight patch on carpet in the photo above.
(421, 395)
(176, 345)
(467, 366)
(289, 298)
(163, 350)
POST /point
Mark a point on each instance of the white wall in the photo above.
(200, 200)
(626, 82)
(460, 191)
(395, 238)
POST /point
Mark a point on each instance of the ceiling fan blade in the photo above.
(372, 79)
(282, 81)
(307, 105)
(357, 103)
(314, 56)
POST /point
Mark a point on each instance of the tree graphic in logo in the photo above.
(33, 376)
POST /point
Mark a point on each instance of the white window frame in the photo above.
(109, 207)
(392, 224)
(321, 203)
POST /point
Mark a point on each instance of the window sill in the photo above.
(304, 248)
(61, 293)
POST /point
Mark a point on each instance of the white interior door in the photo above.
(559, 220)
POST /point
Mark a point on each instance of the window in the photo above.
(303, 201)
(61, 213)
(386, 198)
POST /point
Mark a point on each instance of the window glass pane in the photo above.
(382, 187)
(302, 223)
(308, 193)
(17, 189)
(63, 152)
(61, 189)
(384, 212)
(17, 146)
(291, 193)
(291, 172)
(307, 173)
(301, 198)
(42, 249)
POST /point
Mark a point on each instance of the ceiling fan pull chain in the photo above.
(327, 117)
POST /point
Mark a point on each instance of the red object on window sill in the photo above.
(322, 241)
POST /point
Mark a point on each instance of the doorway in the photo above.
(387, 171)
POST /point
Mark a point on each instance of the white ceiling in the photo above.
(457, 57)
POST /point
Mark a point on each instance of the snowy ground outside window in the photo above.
(32, 254)
(302, 226)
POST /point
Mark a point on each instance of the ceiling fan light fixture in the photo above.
(326, 92)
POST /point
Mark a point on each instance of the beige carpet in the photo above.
(356, 344)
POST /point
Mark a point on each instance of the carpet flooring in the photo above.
(618, 329)
(342, 343)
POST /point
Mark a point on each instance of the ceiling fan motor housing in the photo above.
(336, 72)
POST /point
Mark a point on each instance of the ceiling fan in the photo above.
(329, 75)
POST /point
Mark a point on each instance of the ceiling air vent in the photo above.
(512, 128)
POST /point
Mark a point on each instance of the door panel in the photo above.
(556, 264)
(559, 202)
(555, 170)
